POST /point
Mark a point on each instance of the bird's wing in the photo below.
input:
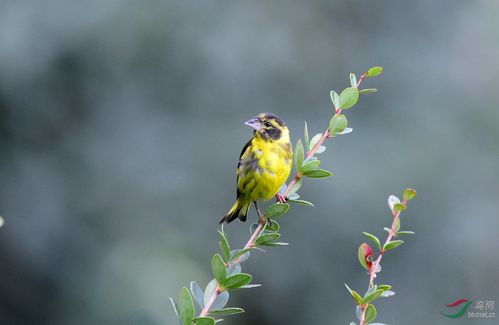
(240, 162)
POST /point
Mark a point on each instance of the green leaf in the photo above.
(224, 244)
(299, 154)
(409, 194)
(353, 80)
(197, 293)
(338, 124)
(349, 97)
(218, 268)
(296, 186)
(302, 202)
(368, 90)
(362, 253)
(374, 239)
(242, 254)
(274, 226)
(318, 173)
(370, 313)
(237, 281)
(405, 232)
(204, 321)
(305, 136)
(373, 72)
(396, 224)
(399, 207)
(310, 165)
(267, 238)
(384, 287)
(227, 311)
(276, 210)
(372, 296)
(315, 140)
(186, 307)
(355, 295)
(392, 244)
(335, 98)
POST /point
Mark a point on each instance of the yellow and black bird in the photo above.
(264, 165)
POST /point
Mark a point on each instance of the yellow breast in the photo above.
(268, 167)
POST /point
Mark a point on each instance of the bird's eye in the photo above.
(267, 124)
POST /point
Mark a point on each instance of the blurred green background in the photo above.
(121, 123)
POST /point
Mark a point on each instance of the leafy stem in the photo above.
(366, 312)
(249, 245)
(226, 267)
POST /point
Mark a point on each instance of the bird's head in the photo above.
(268, 126)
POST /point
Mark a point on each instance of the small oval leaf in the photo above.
(186, 306)
(310, 165)
(299, 154)
(365, 254)
(227, 311)
(318, 173)
(218, 268)
(374, 239)
(374, 71)
(204, 321)
(335, 98)
(409, 194)
(338, 124)
(237, 281)
(197, 293)
(315, 139)
(392, 244)
(276, 210)
(370, 313)
(349, 97)
(267, 238)
(220, 301)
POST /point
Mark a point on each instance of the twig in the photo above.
(376, 264)
(261, 224)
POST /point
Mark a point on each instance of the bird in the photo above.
(264, 165)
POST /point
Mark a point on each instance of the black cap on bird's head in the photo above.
(268, 125)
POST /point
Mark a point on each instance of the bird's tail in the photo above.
(238, 210)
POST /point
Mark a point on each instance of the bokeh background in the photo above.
(121, 123)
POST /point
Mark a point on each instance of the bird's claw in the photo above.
(280, 198)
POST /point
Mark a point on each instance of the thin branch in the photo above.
(376, 264)
(262, 223)
(249, 244)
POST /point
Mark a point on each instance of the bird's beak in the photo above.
(254, 123)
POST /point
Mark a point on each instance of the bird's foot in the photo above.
(280, 198)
